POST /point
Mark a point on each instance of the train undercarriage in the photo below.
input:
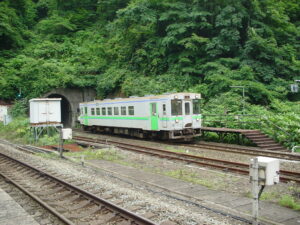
(185, 134)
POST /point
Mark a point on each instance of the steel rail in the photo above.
(242, 168)
(244, 151)
(136, 219)
(37, 199)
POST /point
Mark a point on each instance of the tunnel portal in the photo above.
(66, 111)
(70, 99)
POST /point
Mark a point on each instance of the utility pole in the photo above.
(255, 188)
(61, 143)
(243, 101)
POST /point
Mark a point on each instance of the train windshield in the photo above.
(196, 106)
(176, 106)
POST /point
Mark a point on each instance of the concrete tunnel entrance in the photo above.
(71, 98)
(66, 110)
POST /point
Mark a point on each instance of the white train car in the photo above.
(168, 116)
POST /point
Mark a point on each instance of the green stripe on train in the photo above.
(135, 118)
(114, 117)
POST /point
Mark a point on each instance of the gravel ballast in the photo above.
(128, 195)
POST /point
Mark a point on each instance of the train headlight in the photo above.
(176, 96)
(197, 119)
(176, 121)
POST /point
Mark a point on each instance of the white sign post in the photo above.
(65, 134)
(263, 171)
(255, 191)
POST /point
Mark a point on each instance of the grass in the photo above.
(103, 154)
(188, 176)
(286, 200)
(269, 196)
(47, 155)
(290, 202)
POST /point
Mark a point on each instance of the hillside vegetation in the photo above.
(137, 47)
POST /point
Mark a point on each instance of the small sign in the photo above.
(294, 88)
(66, 133)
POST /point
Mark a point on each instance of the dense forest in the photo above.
(137, 47)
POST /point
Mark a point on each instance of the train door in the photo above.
(154, 116)
(187, 119)
(85, 116)
(164, 115)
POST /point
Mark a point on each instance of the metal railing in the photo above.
(231, 121)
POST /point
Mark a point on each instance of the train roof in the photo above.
(146, 97)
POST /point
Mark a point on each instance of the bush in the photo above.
(19, 109)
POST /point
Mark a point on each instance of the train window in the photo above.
(131, 110)
(98, 111)
(116, 110)
(164, 109)
(176, 107)
(85, 110)
(103, 111)
(109, 111)
(81, 111)
(196, 106)
(93, 111)
(153, 109)
(187, 108)
(123, 110)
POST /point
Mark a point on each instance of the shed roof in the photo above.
(44, 99)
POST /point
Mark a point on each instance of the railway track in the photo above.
(69, 203)
(241, 168)
(244, 151)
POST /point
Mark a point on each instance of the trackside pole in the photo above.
(64, 134)
(255, 191)
(264, 171)
(61, 143)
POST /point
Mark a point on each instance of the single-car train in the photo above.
(168, 116)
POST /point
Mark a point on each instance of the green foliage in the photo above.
(11, 28)
(19, 108)
(290, 202)
(49, 139)
(18, 129)
(138, 47)
(55, 25)
(281, 121)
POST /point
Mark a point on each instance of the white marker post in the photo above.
(263, 171)
(255, 187)
(65, 134)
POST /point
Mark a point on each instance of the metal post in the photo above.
(61, 143)
(294, 148)
(255, 191)
(82, 160)
(244, 101)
